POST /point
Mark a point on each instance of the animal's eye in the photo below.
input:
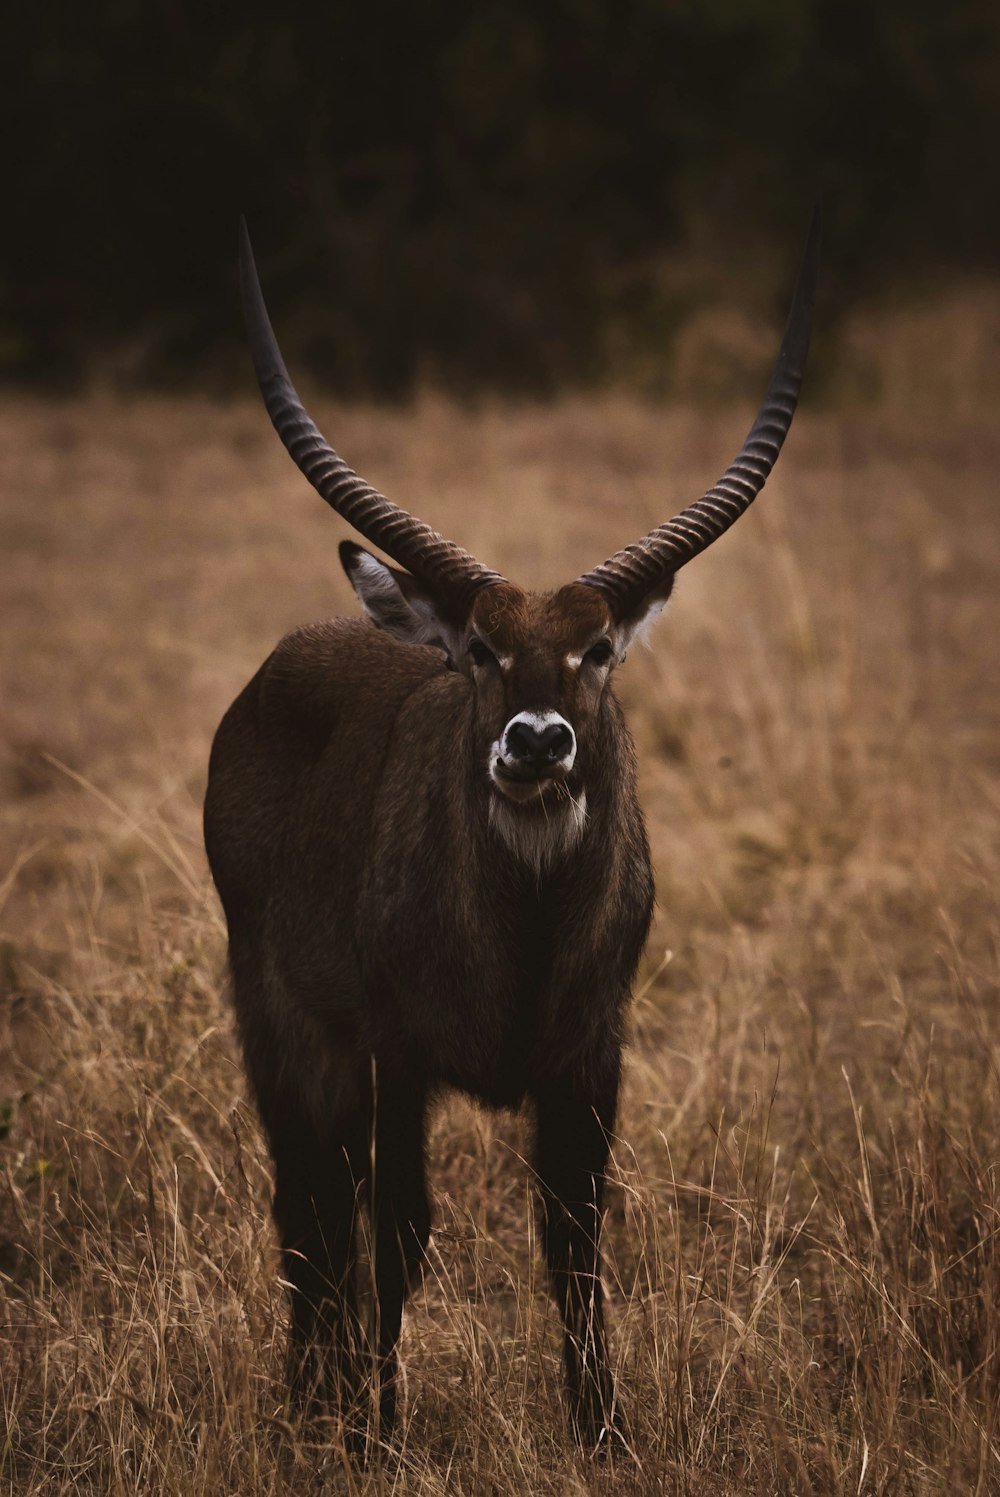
(600, 653)
(479, 654)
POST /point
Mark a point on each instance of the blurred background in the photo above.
(508, 195)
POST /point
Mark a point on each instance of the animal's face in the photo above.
(539, 666)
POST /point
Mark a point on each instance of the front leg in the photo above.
(401, 1220)
(574, 1123)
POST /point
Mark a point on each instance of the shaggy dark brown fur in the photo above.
(387, 941)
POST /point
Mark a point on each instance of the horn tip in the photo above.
(809, 272)
(264, 350)
(247, 263)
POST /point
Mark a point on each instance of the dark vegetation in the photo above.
(513, 194)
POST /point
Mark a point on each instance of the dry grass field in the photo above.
(803, 1237)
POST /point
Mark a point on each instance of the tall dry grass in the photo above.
(802, 1239)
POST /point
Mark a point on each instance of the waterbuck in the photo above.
(424, 829)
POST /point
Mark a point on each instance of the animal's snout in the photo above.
(537, 743)
(526, 743)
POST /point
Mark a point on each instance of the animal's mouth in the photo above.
(522, 784)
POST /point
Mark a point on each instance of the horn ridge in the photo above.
(409, 541)
(632, 572)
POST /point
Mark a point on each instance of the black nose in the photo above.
(529, 746)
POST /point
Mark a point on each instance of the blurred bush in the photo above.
(514, 194)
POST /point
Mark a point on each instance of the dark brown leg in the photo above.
(573, 1129)
(401, 1220)
(316, 1209)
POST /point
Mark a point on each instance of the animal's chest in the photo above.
(471, 986)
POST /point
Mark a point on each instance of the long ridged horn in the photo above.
(630, 574)
(452, 573)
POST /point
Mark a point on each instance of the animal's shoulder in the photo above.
(320, 671)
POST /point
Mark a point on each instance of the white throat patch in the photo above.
(542, 836)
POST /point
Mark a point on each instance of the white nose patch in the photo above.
(539, 721)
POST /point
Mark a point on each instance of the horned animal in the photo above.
(424, 829)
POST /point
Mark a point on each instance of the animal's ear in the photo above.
(397, 602)
(635, 625)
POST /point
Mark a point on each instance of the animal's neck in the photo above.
(541, 837)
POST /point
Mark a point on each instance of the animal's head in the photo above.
(538, 664)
